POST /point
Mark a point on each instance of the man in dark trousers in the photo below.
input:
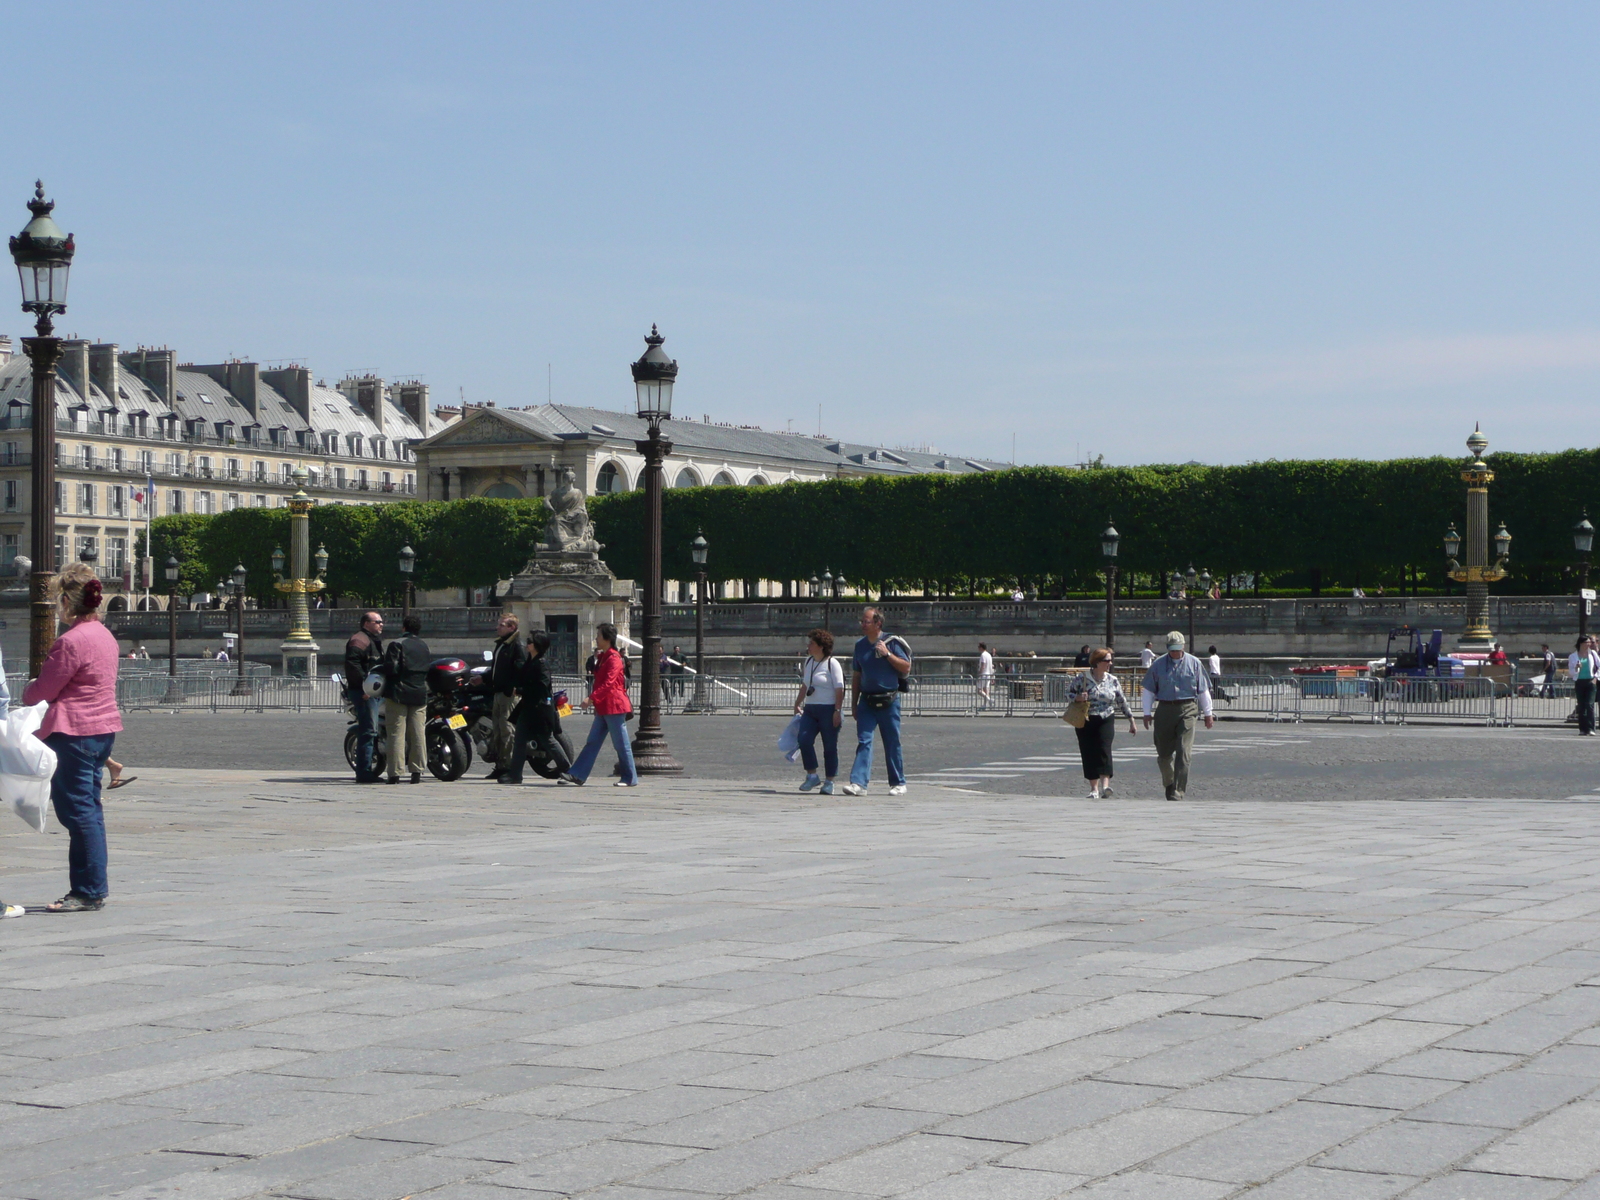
(362, 653)
(405, 701)
(505, 665)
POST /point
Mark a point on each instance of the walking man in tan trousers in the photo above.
(1180, 690)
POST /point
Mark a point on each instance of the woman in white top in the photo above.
(820, 706)
(1214, 669)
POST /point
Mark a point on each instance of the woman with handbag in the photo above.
(820, 705)
(612, 711)
(1093, 701)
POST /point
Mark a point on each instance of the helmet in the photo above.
(372, 685)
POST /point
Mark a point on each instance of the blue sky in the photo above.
(1158, 232)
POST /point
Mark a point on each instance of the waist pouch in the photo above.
(878, 701)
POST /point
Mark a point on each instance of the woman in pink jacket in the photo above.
(609, 699)
(79, 679)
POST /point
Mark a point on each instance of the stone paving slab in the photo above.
(311, 991)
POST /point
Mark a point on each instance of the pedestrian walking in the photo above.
(1498, 656)
(1103, 691)
(79, 680)
(1583, 668)
(363, 654)
(820, 707)
(878, 667)
(1547, 690)
(612, 709)
(1177, 686)
(505, 665)
(405, 700)
(1214, 673)
(1082, 659)
(664, 676)
(679, 670)
(1146, 657)
(536, 724)
(985, 675)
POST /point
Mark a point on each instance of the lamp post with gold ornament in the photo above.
(1477, 574)
(298, 649)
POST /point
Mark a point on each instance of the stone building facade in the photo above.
(140, 435)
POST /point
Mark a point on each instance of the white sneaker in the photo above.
(621, 783)
(898, 789)
(851, 789)
(11, 910)
(1094, 793)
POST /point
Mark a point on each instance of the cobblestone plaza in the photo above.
(720, 988)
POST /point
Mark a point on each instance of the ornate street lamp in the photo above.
(299, 651)
(43, 255)
(242, 688)
(408, 564)
(174, 694)
(699, 549)
(827, 599)
(653, 377)
(1477, 574)
(1583, 543)
(1109, 541)
(1192, 581)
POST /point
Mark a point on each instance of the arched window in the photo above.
(758, 481)
(686, 478)
(502, 491)
(610, 479)
(723, 479)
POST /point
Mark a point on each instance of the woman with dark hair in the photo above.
(608, 697)
(79, 680)
(1106, 700)
(536, 722)
(820, 705)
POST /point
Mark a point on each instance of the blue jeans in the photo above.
(367, 710)
(75, 793)
(616, 724)
(868, 722)
(815, 719)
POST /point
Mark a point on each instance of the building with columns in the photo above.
(515, 452)
(140, 435)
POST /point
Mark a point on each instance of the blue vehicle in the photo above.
(1410, 657)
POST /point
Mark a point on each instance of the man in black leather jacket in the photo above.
(405, 700)
(362, 653)
(504, 668)
(537, 723)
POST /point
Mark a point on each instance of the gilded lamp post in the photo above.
(299, 651)
(1477, 574)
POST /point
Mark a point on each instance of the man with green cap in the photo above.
(1177, 686)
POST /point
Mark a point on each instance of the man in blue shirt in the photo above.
(878, 666)
(1177, 684)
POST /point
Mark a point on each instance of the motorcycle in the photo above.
(477, 705)
(449, 748)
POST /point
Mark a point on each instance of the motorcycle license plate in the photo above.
(457, 721)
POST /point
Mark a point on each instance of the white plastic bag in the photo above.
(789, 739)
(26, 765)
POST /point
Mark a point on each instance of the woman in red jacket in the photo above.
(609, 699)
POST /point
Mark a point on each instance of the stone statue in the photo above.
(568, 530)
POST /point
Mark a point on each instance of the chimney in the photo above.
(294, 383)
(75, 365)
(104, 369)
(240, 378)
(368, 395)
(414, 402)
(159, 370)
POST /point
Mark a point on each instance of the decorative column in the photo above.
(43, 353)
(1478, 574)
(298, 649)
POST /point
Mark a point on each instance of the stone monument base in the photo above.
(568, 593)
(299, 659)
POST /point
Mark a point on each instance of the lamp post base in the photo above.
(174, 693)
(651, 755)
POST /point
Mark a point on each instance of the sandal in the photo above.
(71, 903)
(120, 781)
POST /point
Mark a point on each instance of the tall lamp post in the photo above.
(653, 376)
(408, 564)
(1583, 542)
(827, 600)
(43, 255)
(698, 551)
(1109, 541)
(1190, 579)
(1477, 574)
(174, 692)
(299, 650)
(242, 688)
